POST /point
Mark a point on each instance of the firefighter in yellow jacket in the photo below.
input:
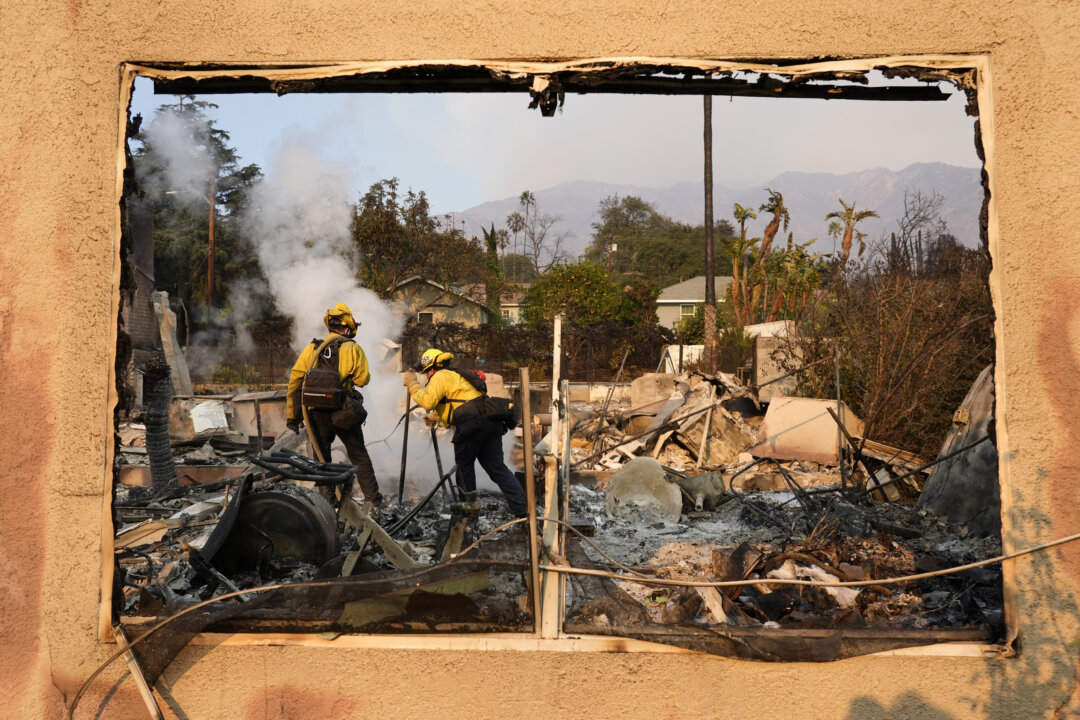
(337, 414)
(479, 439)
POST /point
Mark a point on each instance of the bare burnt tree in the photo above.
(908, 345)
(918, 229)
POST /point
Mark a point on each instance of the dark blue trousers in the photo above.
(485, 444)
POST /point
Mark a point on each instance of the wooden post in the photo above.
(527, 441)
(556, 373)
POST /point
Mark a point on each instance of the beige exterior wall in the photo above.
(63, 100)
(667, 315)
(444, 307)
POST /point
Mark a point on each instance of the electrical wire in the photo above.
(632, 576)
(639, 577)
(455, 556)
(198, 606)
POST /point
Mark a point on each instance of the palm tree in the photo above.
(774, 205)
(736, 250)
(849, 217)
(835, 228)
(516, 224)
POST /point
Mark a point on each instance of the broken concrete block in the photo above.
(641, 488)
(650, 388)
(965, 488)
(802, 429)
(495, 385)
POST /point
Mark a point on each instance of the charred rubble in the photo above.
(684, 477)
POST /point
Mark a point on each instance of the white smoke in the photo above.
(181, 144)
(299, 219)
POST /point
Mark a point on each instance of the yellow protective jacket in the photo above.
(443, 386)
(352, 370)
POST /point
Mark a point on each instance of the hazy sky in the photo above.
(467, 149)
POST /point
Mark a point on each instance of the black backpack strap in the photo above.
(470, 377)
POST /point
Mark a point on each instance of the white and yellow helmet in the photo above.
(433, 358)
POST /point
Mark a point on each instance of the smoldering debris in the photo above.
(795, 484)
(687, 486)
(843, 540)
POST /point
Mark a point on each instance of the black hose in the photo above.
(400, 524)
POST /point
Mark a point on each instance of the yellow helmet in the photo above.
(341, 315)
(432, 358)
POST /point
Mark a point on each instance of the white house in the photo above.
(678, 301)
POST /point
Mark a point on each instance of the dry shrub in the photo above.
(908, 344)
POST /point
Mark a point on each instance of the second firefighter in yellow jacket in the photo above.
(480, 439)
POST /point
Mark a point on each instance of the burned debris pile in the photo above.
(239, 518)
(708, 484)
(687, 481)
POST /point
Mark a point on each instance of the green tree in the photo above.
(625, 222)
(185, 168)
(738, 250)
(493, 279)
(583, 292)
(638, 306)
(650, 245)
(517, 268)
(396, 237)
(758, 276)
(849, 217)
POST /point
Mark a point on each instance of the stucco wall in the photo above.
(61, 99)
(444, 307)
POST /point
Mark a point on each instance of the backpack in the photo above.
(498, 409)
(322, 389)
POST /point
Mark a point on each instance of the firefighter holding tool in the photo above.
(322, 395)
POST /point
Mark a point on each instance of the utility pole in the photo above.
(209, 200)
(710, 280)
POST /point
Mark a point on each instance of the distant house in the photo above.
(510, 303)
(678, 301)
(426, 301)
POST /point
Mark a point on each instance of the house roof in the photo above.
(444, 288)
(692, 290)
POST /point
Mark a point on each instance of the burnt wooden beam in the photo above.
(478, 80)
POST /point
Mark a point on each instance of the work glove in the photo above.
(431, 420)
(294, 424)
(408, 379)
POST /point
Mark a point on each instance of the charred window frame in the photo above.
(548, 84)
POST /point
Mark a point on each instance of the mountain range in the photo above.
(809, 197)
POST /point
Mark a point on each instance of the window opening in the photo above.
(694, 470)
